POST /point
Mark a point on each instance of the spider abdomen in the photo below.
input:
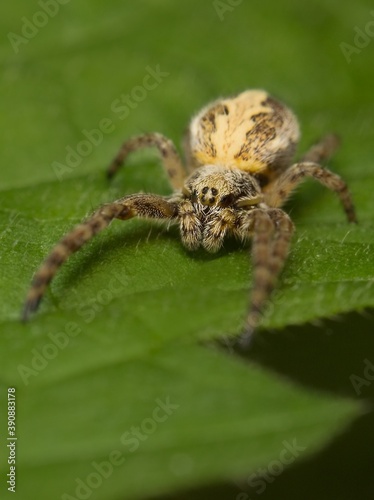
(252, 131)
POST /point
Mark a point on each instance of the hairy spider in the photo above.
(236, 178)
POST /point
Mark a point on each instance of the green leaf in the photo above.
(128, 321)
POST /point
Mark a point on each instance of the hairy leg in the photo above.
(171, 160)
(323, 150)
(283, 186)
(141, 205)
(284, 230)
(262, 228)
(271, 242)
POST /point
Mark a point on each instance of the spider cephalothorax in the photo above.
(215, 201)
(236, 178)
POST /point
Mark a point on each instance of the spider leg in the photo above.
(262, 227)
(138, 205)
(282, 187)
(271, 241)
(323, 150)
(282, 240)
(171, 160)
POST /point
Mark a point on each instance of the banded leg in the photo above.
(282, 187)
(141, 205)
(323, 150)
(262, 227)
(284, 230)
(271, 242)
(171, 160)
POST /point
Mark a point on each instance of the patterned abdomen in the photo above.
(252, 132)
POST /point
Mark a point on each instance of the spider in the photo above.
(236, 177)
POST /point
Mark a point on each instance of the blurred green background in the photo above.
(59, 82)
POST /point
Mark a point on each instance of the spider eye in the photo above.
(205, 190)
(214, 191)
